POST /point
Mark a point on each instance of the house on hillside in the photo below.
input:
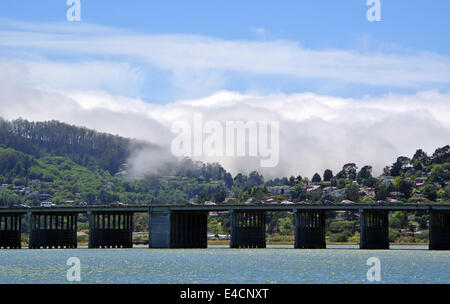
(396, 194)
(313, 189)
(386, 180)
(328, 190)
(338, 192)
(280, 190)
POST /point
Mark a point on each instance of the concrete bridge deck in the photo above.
(185, 226)
(225, 207)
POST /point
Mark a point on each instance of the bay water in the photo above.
(220, 264)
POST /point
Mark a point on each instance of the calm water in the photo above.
(219, 264)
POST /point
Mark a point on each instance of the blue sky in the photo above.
(408, 28)
(416, 24)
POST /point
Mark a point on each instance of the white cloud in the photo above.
(194, 55)
(114, 77)
(316, 131)
(259, 32)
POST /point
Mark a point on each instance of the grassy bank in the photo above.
(273, 239)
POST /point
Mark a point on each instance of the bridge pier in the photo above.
(439, 230)
(309, 229)
(110, 229)
(374, 229)
(248, 229)
(188, 229)
(10, 231)
(159, 227)
(53, 230)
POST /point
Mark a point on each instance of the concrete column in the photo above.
(248, 229)
(92, 225)
(374, 229)
(309, 229)
(159, 227)
(233, 229)
(30, 225)
(439, 230)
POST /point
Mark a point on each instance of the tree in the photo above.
(220, 195)
(446, 194)
(364, 174)
(430, 192)
(440, 173)
(202, 197)
(370, 182)
(423, 221)
(399, 220)
(381, 192)
(327, 175)
(341, 183)
(316, 178)
(228, 180)
(291, 181)
(352, 193)
(420, 156)
(418, 166)
(398, 165)
(110, 160)
(349, 171)
(405, 187)
(441, 155)
(333, 182)
(255, 179)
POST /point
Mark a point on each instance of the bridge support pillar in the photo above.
(10, 231)
(248, 229)
(374, 229)
(188, 229)
(159, 227)
(110, 229)
(309, 229)
(53, 230)
(439, 230)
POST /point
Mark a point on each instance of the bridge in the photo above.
(185, 226)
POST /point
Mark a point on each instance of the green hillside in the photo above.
(28, 180)
(66, 164)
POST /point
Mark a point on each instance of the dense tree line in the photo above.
(84, 146)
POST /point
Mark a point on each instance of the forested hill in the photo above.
(68, 164)
(84, 146)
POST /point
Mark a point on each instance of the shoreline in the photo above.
(227, 242)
